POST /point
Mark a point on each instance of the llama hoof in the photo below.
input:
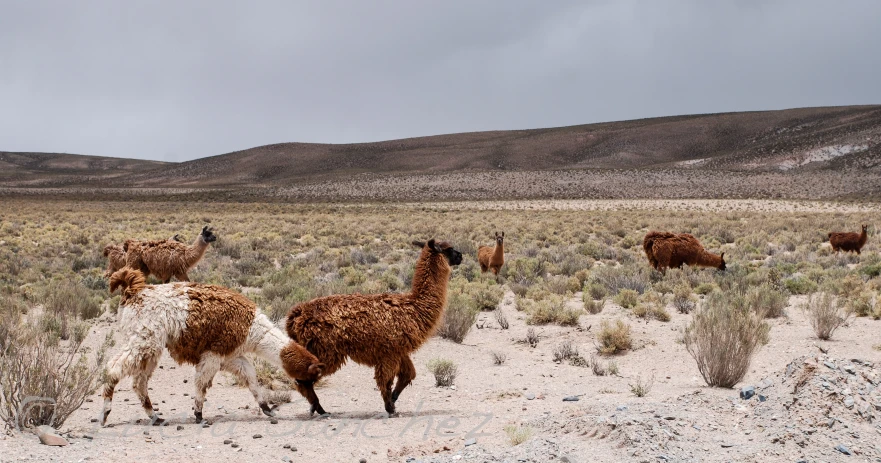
(267, 410)
(198, 416)
(104, 416)
(156, 421)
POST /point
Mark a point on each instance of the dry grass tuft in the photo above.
(825, 314)
(614, 338)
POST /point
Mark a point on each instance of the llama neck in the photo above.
(863, 238)
(498, 252)
(710, 260)
(430, 280)
(196, 251)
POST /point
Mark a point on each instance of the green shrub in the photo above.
(595, 290)
(614, 338)
(552, 310)
(800, 285)
(444, 371)
(767, 301)
(683, 299)
(458, 318)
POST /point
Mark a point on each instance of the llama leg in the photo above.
(182, 277)
(242, 368)
(139, 384)
(406, 374)
(306, 388)
(205, 372)
(127, 363)
(384, 373)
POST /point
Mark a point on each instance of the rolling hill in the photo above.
(833, 145)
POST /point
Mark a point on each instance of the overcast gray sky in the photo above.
(187, 79)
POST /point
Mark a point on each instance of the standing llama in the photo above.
(492, 258)
(166, 259)
(115, 254)
(377, 330)
(848, 241)
(670, 250)
(208, 326)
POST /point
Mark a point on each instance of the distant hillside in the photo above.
(832, 144)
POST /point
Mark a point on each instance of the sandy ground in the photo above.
(679, 420)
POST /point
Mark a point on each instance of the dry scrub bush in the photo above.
(551, 310)
(499, 358)
(444, 371)
(641, 388)
(532, 337)
(653, 305)
(825, 314)
(683, 299)
(627, 298)
(767, 301)
(595, 290)
(458, 318)
(864, 304)
(614, 279)
(501, 319)
(614, 338)
(593, 307)
(44, 381)
(722, 337)
(517, 434)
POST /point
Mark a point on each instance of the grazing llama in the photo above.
(208, 326)
(671, 250)
(166, 259)
(848, 241)
(377, 330)
(492, 258)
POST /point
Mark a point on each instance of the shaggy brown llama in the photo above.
(492, 257)
(168, 259)
(211, 327)
(378, 330)
(115, 253)
(848, 241)
(670, 250)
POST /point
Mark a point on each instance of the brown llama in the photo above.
(670, 250)
(848, 241)
(211, 327)
(492, 258)
(168, 259)
(115, 254)
(377, 330)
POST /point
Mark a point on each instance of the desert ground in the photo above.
(573, 269)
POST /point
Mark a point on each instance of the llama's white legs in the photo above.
(139, 384)
(242, 368)
(129, 362)
(205, 372)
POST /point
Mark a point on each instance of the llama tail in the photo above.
(130, 280)
(266, 340)
(316, 369)
(647, 244)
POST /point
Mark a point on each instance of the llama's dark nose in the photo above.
(457, 259)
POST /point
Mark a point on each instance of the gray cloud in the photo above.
(182, 80)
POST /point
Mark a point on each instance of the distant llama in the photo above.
(115, 253)
(168, 259)
(848, 241)
(377, 330)
(492, 257)
(670, 250)
(209, 326)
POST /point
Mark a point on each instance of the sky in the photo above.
(181, 80)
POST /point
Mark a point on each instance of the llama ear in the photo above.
(204, 229)
(432, 245)
(503, 234)
(722, 256)
(419, 244)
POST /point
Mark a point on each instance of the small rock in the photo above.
(93, 420)
(747, 392)
(273, 421)
(670, 418)
(529, 396)
(571, 398)
(471, 441)
(293, 449)
(843, 449)
(850, 369)
(48, 436)
(227, 441)
(185, 381)
(363, 460)
(234, 445)
(621, 408)
(286, 446)
(88, 436)
(762, 398)
(727, 445)
(180, 428)
(848, 402)
(829, 364)
(286, 459)
(258, 436)
(567, 459)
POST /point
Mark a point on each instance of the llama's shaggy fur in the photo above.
(166, 259)
(847, 242)
(670, 250)
(378, 330)
(492, 257)
(115, 253)
(208, 326)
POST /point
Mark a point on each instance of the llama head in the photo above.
(722, 258)
(208, 234)
(865, 228)
(453, 256)
(500, 239)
